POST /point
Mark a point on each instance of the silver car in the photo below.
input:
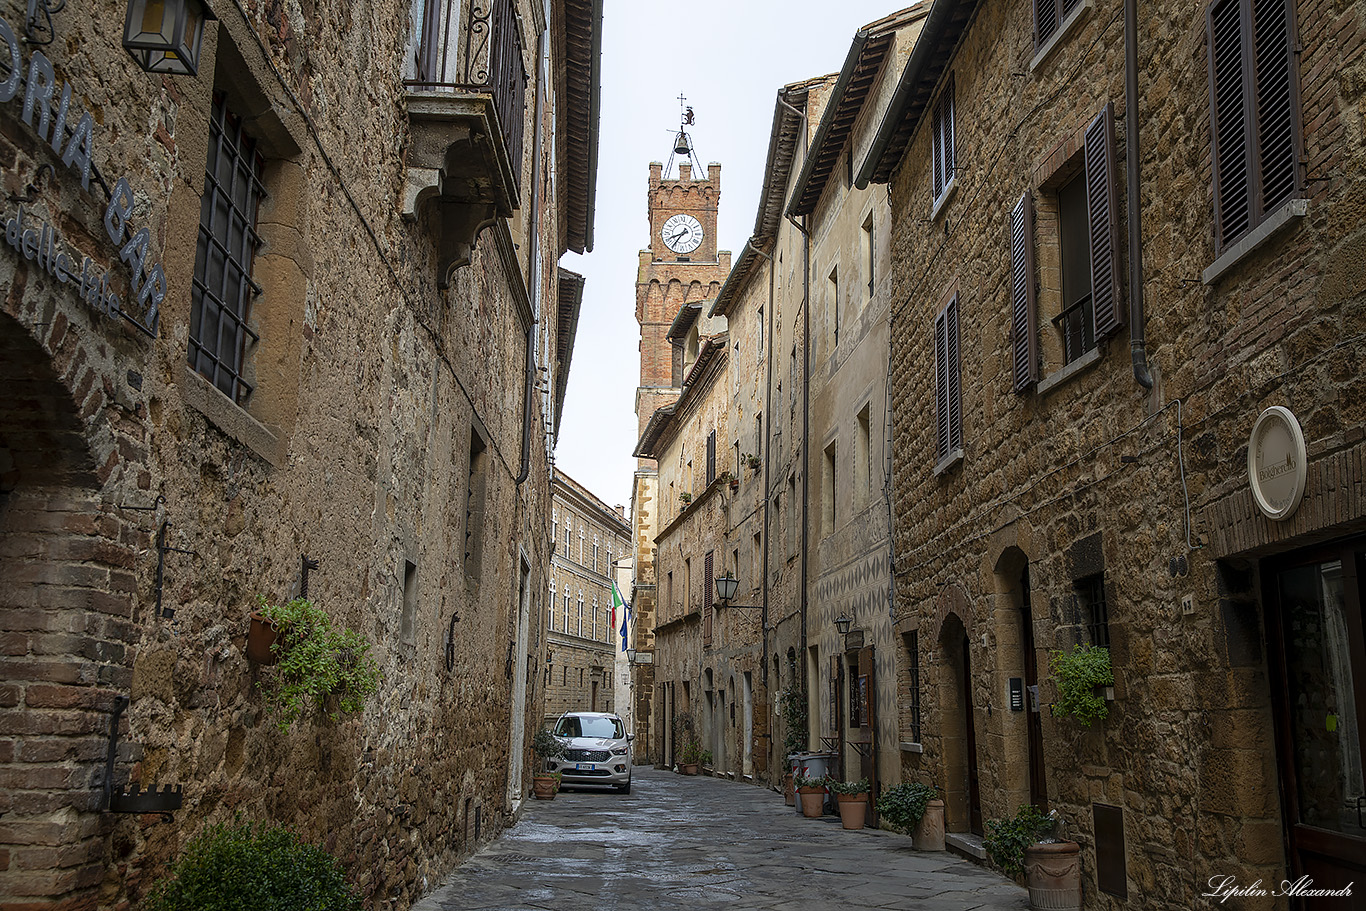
(597, 750)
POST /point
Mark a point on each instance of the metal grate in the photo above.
(1091, 595)
(587, 755)
(222, 290)
(913, 671)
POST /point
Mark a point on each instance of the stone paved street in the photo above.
(695, 843)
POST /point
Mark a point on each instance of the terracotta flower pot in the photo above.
(688, 768)
(1053, 876)
(544, 787)
(813, 800)
(928, 834)
(260, 638)
(789, 793)
(853, 810)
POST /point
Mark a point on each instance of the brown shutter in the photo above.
(1103, 214)
(1045, 20)
(711, 457)
(708, 587)
(836, 674)
(867, 672)
(1228, 120)
(949, 137)
(1024, 334)
(1277, 106)
(941, 386)
(955, 365)
(937, 141)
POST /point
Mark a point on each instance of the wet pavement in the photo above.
(680, 842)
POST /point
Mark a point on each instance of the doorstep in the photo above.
(966, 845)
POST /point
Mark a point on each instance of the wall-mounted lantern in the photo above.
(726, 588)
(165, 36)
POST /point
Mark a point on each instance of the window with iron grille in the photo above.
(1254, 113)
(223, 290)
(943, 140)
(948, 395)
(1093, 609)
(1048, 15)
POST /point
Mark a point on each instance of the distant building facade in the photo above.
(583, 634)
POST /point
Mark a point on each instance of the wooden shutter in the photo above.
(950, 142)
(867, 674)
(1024, 334)
(1102, 208)
(1045, 20)
(708, 587)
(955, 365)
(943, 139)
(937, 140)
(711, 458)
(1277, 103)
(941, 385)
(1254, 112)
(948, 389)
(1228, 120)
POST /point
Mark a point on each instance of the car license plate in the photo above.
(584, 767)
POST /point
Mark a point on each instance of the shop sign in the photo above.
(1276, 463)
(70, 131)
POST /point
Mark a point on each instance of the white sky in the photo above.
(729, 57)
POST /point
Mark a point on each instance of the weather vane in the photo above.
(683, 144)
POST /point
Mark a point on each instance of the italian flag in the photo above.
(618, 600)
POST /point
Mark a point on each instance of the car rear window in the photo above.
(576, 726)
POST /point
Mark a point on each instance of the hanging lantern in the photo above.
(681, 146)
(164, 36)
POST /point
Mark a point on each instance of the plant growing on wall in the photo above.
(1006, 839)
(904, 805)
(1078, 675)
(317, 661)
(685, 498)
(231, 867)
(751, 462)
(793, 703)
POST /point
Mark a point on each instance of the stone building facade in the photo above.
(582, 629)
(1099, 291)
(274, 327)
(670, 286)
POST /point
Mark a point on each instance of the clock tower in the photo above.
(681, 266)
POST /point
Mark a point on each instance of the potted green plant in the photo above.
(685, 498)
(229, 867)
(544, 782)
(811, 792)
(853, 801)
(316, 662)
(691, 756)
(1025, 846)
(1084, 679)
(915, 807)
(752, 462)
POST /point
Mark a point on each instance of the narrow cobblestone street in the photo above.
(692, 843)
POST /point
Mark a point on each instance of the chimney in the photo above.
(621, 511)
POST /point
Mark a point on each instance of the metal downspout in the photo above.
(1138, 346)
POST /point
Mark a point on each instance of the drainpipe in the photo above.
(1138, 345)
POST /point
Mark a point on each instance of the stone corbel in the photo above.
(458, 171)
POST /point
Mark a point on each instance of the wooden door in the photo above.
(867, 693)
(1317, 658)
(1038, 784)
(970, 736)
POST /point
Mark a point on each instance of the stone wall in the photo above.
(381, 403)
(1188, 749)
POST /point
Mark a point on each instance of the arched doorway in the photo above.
(962, 794)
(66, 583)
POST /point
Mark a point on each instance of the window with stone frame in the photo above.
(578, 626)
(1049, 16)
(1072, 235)
(550, 612)
(911, 702)
(595, 553)
(943, 141)
(223, 291)
(1093, 610)
(1254, 113)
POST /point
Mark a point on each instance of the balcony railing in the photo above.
(1078, 332)
(476, 47)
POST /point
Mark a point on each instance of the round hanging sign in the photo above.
(1276, 463)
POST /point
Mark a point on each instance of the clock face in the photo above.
(682, 233)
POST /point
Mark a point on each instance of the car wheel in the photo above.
(624, 788)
